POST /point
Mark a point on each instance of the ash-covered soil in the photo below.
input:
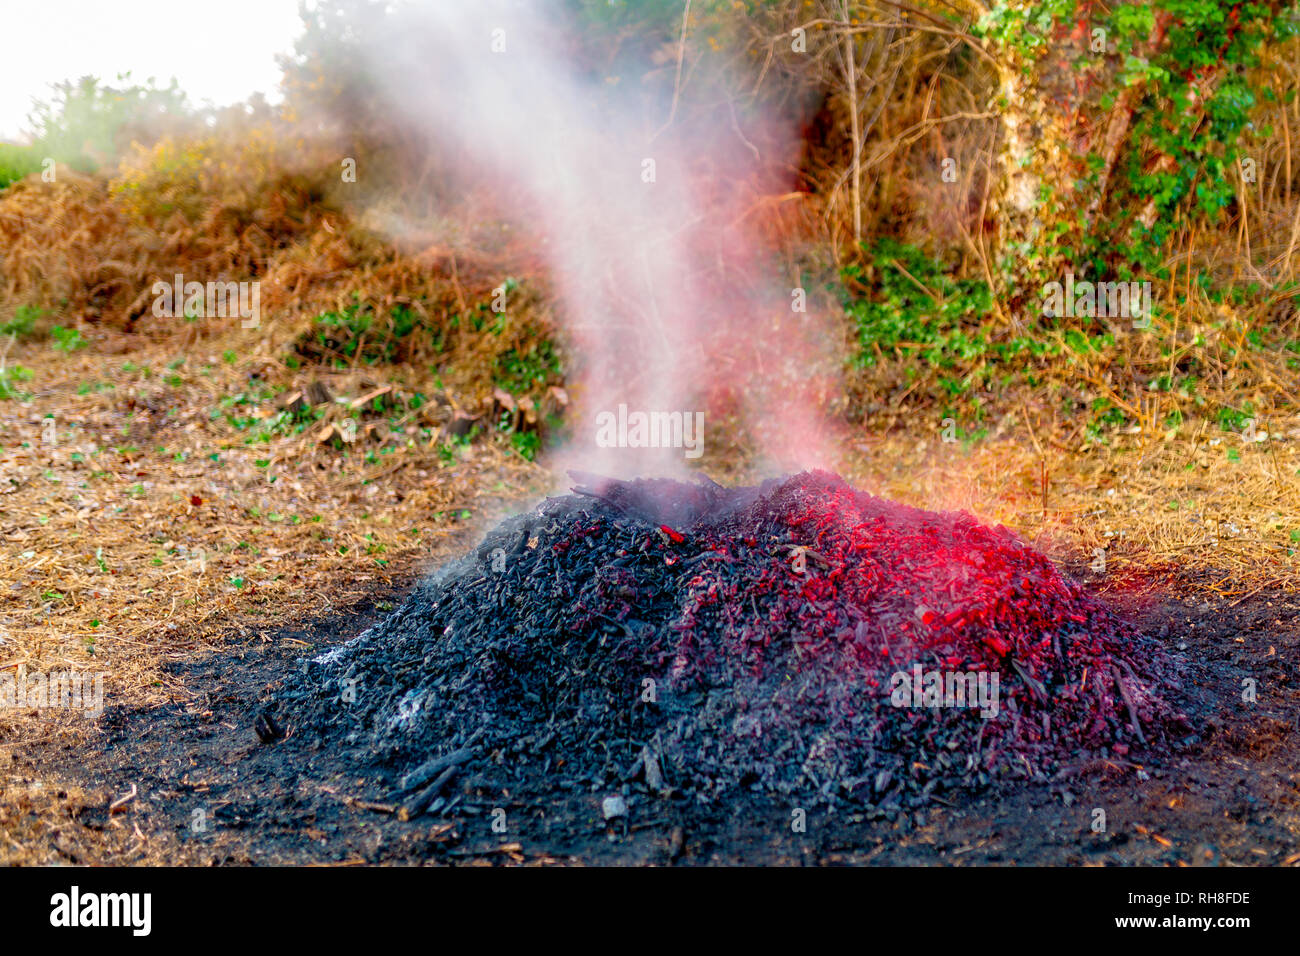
(247, 770)
(1233, 798)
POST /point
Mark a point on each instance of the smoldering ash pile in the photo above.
(799, 637)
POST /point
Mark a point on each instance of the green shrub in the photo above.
(67, 340)
(368, 335)
(88, 123)
(907, 302)
(521, 370)
(9, 375)
(23, 322)
(17, 162)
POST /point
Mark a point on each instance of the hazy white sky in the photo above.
(219, 51)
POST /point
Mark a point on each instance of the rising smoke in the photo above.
(647, 213)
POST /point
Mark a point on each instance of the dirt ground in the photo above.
(209, 792)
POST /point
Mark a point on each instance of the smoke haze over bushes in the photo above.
(647, 220)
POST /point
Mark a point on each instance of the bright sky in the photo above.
(218, 50)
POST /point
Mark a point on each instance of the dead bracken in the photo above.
(799, 637)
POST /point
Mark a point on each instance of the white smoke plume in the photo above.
(672, 302)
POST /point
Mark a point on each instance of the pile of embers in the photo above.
(800, 637)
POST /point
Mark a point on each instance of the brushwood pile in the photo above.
(799, 637)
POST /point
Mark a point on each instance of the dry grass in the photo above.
(148, 516)
(150, 532)
(1154, 504)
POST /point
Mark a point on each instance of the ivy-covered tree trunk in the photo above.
(1126, 115)
(1037, 165)
(1019, 175)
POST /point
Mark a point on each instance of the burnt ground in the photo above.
(211, 792)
